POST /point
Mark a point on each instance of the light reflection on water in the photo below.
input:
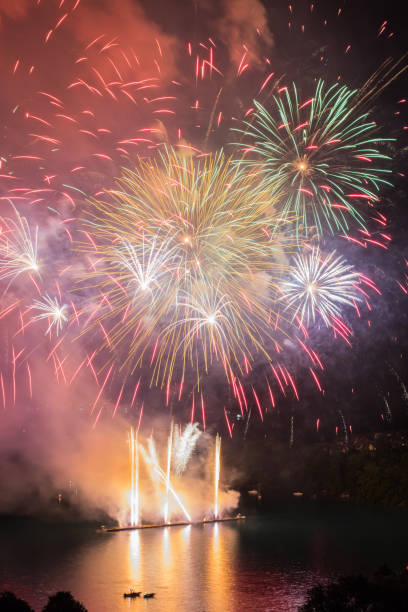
(183, 562)
(263, 565)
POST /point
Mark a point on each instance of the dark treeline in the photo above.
(366, 470)
(385, 591)
(62, 601)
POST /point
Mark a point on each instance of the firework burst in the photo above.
(320, 154)
(52, 310)
(187, 257)
(321, 286)
(18, 247)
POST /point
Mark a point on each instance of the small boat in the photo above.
(132, 593)
(148, 595)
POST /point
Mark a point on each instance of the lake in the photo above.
(263, 563)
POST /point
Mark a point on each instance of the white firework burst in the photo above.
(51, 309)
(144, 263)
(320, 285)
(18, 247)
(184, 446)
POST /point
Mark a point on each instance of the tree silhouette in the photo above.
(63, 602)
(382, 592)
(10, 603)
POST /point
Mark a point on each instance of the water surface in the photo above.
(263, 564)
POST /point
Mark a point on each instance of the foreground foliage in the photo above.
(10, 603)
(62, 601)
(383, 592)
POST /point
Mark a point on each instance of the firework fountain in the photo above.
(217, 467)
(211, 511)
(134, 491)
(169, 450)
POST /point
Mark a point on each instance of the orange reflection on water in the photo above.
(219, 567)
(178, 562)
(158, 561)
(135, 564)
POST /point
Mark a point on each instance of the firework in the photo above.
(134, 490)
(320, 285)
(157, 473)
(183, 491)
(92, 116)
(217, 468)
(51, 309)
(187, 256)
(169, 450)
(142, 263)
(184, 446)
(18, 247)
(321, 154)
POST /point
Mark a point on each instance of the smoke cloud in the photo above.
(55, 451)
(244, 23)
